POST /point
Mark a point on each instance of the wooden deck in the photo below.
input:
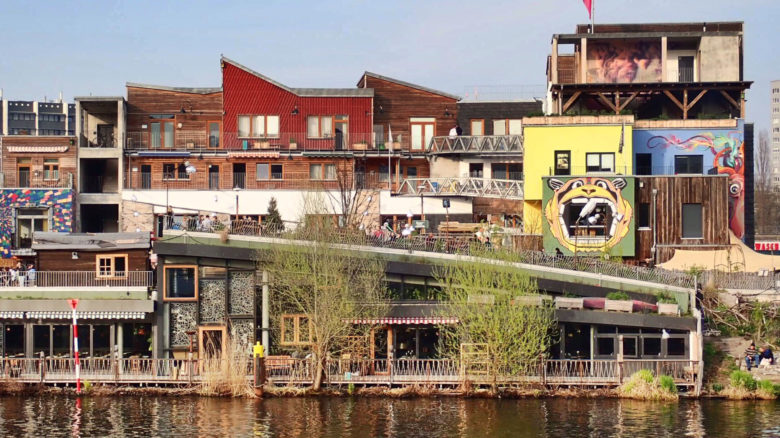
(298, 372)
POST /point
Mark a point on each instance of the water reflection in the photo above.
(363, 417)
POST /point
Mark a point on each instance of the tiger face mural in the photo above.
(588, 214)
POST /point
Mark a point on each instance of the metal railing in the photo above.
(285, 141)
(37, 180)
(284, 370)
(202, 179)
(467, 186)
(15, 279)
(450, 244)
(476, 144)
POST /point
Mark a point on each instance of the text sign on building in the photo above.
(767, 246)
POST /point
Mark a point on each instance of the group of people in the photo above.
(754, 358)
(18, 276)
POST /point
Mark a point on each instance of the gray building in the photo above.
(774, 134)
(23, 117)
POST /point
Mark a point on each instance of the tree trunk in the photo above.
(319, 370)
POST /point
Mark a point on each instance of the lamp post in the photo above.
(420, 188)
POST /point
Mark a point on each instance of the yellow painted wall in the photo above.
(532, 217)
(541, 142)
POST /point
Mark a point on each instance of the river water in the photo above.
(144, 416)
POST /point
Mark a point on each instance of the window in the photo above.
(181, 282)
(563, 162)
(379, 134)
(411, 172)
(691, 221)
(258, 126)
(319, 127)
(513, 171)
(422, 131)
(651, 347)
(477, 127)
(322, 172)
(214, 134)
(161, 134)
(600, 162)
(693, 164)
(384, 172)
(296, 329)
(605, 346)
(263, 171)
(507, 127)
(644, 215)
(111, 266)
(169, 171)
(51, 168)
(675, 347)
(644, 164)
(476, 169)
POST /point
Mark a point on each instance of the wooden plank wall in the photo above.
(62, 260)
(395, 104)
(10, 160)
(199, 108)
(673, 191)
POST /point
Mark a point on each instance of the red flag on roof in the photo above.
(589, 5)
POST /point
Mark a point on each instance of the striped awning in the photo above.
(407, 321)
(85, 315)
(253, 154)
(37, 149)
(11, 315)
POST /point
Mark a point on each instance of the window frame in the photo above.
(323, 172)
(422, 122)
(683, 234)
(688, 158)
(51, 170)
(112, 271)
(295, 318)
(320, 134)
(270, 171)
(163, 122)
(165, 282)
(601, 162)
(560, 171)
(252, 119)
(477, 121)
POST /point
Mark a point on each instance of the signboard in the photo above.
(420, 224)
(767, 246)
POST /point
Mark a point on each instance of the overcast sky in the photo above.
(81, 47)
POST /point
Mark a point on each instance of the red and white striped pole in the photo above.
(73, 304)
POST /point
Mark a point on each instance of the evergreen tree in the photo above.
(273, 221)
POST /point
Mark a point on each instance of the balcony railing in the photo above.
(242, 180)
(477, 144)
(98, 142)
(471, 187)
(37, 180)
(74, 279)
(285, 141)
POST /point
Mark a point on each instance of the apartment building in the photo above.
(774, 134)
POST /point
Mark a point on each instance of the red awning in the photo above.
(37, 149)
(253, 154)
(406, 321)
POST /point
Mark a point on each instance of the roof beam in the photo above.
(571, 100)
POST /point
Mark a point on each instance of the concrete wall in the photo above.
(672, 72)
(719, 58)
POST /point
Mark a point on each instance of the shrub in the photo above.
(666, 297)
(742, 380)
(766, 390)
(622, 296)
(667, 384)
(643, 386)
(717, 387)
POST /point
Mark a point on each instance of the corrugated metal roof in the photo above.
(193, 90)
(90, 241)
(307, 92)
(408, 84)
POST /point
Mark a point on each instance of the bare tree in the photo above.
(351, 198)
(767, 200)
(317, 289)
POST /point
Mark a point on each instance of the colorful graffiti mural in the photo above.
(722, 151)
(589, 215)
(624, 61)
(59, 201)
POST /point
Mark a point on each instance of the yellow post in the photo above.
(257, 350)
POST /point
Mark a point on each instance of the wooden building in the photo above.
(38, 161)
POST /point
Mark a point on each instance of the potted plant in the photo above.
(618, 302)
(293, 143)
(566, 302)
(667, 304)
(360, 146)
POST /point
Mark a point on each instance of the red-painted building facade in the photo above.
(260, 113)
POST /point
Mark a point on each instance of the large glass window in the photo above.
(691, 221)
(423, 129)
(689, 164)
(477, 127)
(600, 162)
(41, 340)
(296, 329)
(181, 283)
(161, 134)
(61, 340)
(319, 126)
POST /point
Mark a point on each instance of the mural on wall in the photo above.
(624, 61)
(58, 201)
(722, 152)
(589, 215)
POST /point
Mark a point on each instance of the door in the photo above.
(214, 177)
(161, 135)
(24, 175)
(422, 129)
(146, 176)
(105, 136)
(214, 134)
(239, 175)
(212, 341)
(341, 126)
(381, 339)
(685, 68)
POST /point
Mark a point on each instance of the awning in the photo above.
(11, 315)
(37, 149)
(406, 321)
(85, 315)
(163, 154)
(253, 154)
